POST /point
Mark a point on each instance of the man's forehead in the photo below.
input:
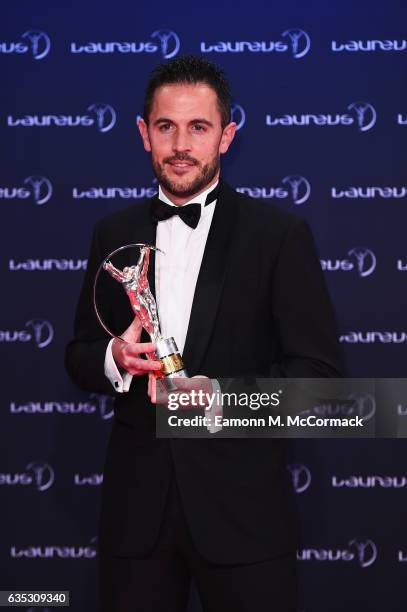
(184, 97)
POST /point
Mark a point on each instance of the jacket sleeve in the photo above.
(302, 310)
(85, 354)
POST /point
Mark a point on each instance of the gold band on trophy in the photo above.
(171, 364)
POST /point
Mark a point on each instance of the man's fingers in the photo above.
(137, 366)
(196, 383)
(138, 348)
(153, 396)
(152, 387)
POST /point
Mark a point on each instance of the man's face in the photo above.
(185, 137)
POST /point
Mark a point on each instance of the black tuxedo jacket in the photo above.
(260, 308)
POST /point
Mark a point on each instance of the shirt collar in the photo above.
(197, 199)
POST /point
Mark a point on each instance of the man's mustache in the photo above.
(181, 157)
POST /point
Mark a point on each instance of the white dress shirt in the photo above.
(176, 273)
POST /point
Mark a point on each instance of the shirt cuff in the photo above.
(120, 382)
(216, 410)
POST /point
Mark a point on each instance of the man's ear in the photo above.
(142, 126)
(227, 136)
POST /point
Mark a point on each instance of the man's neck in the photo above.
(179, 201)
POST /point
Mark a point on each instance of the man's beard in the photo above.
(186, 190)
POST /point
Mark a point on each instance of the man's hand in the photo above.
(197, 384)
(127, 354)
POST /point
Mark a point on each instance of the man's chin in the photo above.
(187, 186)
(180, 187)
(183, 189)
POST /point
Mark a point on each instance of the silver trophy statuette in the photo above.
(135, 283)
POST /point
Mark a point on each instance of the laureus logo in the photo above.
(105, 404)
(366, 551)
(41, 188)
(299, 40)
(365, 260)
(296, 41)
(301, 477)
(43, 332)
(53, 551)
(169, 42)
(43, 473)
(299, 187)
(362, 551)
(364, 405)
(360, 259)
(238, 115)
(38, 474)
(365, 115)
(39, 43)
(362, 115)
(293, 188)
(105, 116)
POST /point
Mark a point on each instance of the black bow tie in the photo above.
(190, 214)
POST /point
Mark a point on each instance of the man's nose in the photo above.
(181, 141)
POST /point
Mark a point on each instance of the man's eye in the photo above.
(197, 127)
(165, 127)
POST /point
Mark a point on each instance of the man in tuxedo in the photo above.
(241, 289)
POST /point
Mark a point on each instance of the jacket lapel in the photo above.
(210, 280)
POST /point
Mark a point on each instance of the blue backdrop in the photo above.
(320, 97)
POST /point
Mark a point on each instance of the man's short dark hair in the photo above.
(190, 69)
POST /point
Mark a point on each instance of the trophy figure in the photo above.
(135, 283)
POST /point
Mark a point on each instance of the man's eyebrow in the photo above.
(162, 120)
(197, 120)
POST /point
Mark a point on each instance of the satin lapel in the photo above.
(210, 279)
